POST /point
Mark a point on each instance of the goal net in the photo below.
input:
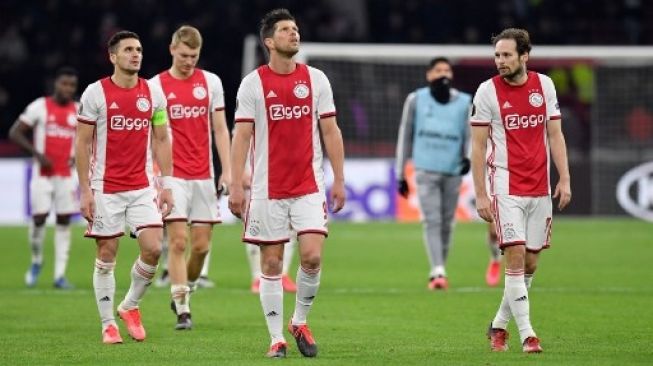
(605, 95)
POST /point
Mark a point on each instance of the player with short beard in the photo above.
(518, 112)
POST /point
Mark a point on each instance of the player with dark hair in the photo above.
(281, 102)
(122, 126)
(52, 120)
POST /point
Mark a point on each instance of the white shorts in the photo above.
(269, 221)
(523, 221)
(196, 201)
(60, 190)
(113, 211)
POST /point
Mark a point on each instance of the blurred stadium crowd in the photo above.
(38, 37)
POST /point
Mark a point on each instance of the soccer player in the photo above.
(518, 111)
(435, 132)
(53, 122)
(122, 123)
(285, 105)
(195, 105)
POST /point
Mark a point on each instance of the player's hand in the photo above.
(44, 162)
(223, 185)
(87, 203)
(402, 188)
(166, 202)
(237, 200)
(563, 193)
(247, 181)
(338, 196)
(484, 207)
(465, 164)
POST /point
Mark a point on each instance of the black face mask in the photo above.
(440, 89)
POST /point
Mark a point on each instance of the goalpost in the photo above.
(605, 94)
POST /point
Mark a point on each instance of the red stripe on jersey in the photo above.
(59, 126)
(189, 114)
(246, 120)
(327, 115)
(128, 131)
(289, 112)
(524, 123)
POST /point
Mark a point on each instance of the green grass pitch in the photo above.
(591, 303)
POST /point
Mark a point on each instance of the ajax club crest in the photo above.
(199, 92)
(536, 99)
(143, 104)
(301, 91)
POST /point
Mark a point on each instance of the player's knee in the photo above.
(272, 266)
(177, 244)
(63, 220)
(106, 254)
(39, 220)
(200, 249)
(530, 268)
(311, 261)
(433, 222)
(151, 254)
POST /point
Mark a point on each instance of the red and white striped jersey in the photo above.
(53, 132)
(122, 157)
(285, 155)
(518, 158)
(191, 103)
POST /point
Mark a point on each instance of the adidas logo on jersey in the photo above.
(172, 96)
(114, 105)
(271, 94)
(506, 105)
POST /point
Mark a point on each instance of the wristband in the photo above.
(166, 182)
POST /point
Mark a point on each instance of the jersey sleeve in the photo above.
(481, 112)
(159, 103)
(89, 109)
(325, 104)
(552, 106)
(246, 100)
(405, 138)
(217, 92)
(30, 115)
